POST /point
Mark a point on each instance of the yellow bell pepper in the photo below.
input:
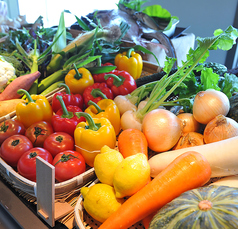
(78, 79)
(130, 62)
(106, 108)
(36, 108)
(92, 135)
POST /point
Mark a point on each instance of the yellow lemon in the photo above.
(131, 175)
(105, 164)
(100, 201)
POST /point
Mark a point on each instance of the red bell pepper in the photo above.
(96, 92)
(65, 119)
(120, 82)
(99, 78)
(68, 98)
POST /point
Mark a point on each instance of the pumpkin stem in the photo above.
(205, 205)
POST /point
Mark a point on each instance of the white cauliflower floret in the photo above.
(7, 73)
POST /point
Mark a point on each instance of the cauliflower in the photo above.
(7, 73)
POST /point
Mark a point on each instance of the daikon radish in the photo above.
(222, 157)
(230, 181)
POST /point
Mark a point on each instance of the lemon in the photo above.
(105, 164)
(131, 175)
(100, 201)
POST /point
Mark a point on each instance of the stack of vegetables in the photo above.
(91, 116)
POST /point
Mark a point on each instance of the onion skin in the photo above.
(190, 124)
(162, 129)
(220, 128)
(188, 140)
(208, 104)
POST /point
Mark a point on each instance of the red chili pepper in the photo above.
(99, 78)
(65, 119)
(68, 98)
(96, 92)
(120, 82)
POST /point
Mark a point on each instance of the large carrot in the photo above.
(131, 142)
(188, 171)
(21, 82)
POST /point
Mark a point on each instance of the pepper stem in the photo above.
(91, 124)
(67, 90)
(99, 110)
(27, 94)
(128, 54)
(66, 113)
(77, 75)
(98, 93)
(117, 80)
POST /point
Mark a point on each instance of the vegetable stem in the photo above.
(99, 110)
(66, 113)
(27, 94)
(91, 124)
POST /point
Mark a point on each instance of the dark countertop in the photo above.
(16, 212)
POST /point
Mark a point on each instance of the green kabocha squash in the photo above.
(210, 207)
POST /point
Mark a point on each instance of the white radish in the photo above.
(222, 156)
(129, 120)
(230, 181)
(124, 103)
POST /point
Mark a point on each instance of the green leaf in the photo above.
(157, 11)
(145, 50)
(61, 34)
(229, 84)
(209, 79)
(82, 24)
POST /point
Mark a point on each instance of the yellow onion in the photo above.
(189, 139)
(208, 104)
(162, 129)
(220, 128)
(190, 124)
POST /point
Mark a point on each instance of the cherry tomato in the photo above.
(26, 165)
(13, 148)
(58, 142)
(10, 127)
(38, 132)
(68, 164)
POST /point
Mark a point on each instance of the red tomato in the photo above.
(10, 127)
(26, 165)
(58, 142)
(13, 148)
(68, 164)
(38, 132)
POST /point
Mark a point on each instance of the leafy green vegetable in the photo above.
(223, 40)
(157, 11)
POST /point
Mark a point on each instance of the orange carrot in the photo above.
(131, 142)
(146, 221)
(188, 171)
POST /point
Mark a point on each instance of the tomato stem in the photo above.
(59, 138)
(33, 154)
(65, 158)
(4, 127)
(15, 142)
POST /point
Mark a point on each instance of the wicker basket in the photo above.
(84, 221)
(22, 184)
(61, 189)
